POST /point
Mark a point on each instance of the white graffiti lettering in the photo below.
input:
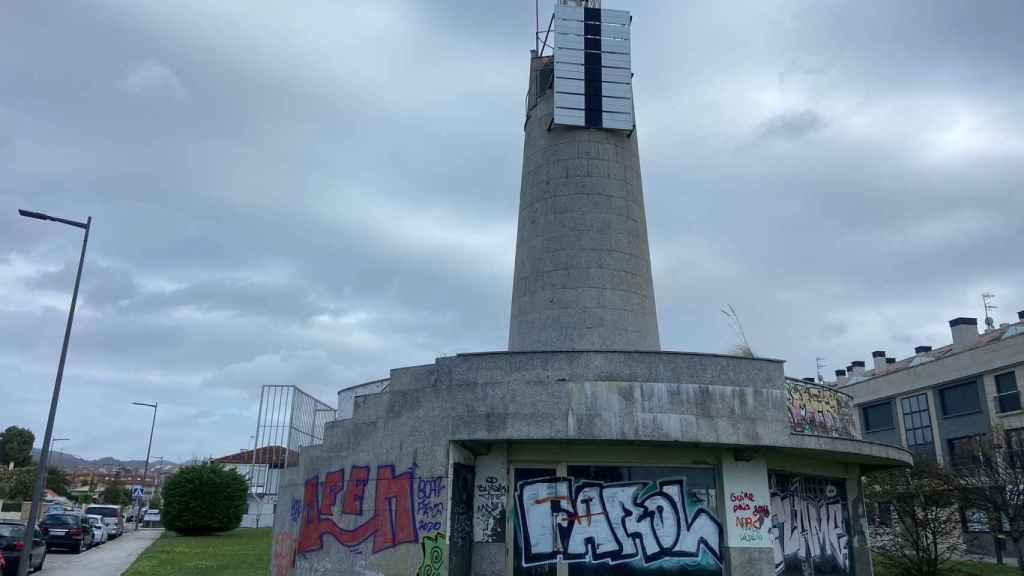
(568, 521)
(807, 529)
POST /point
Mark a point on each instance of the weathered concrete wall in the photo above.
(375, 497)
(583, 270)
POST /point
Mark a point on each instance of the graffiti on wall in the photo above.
(561, 519)
(430, 494)
(460, 551)
(433, 556)
(489, 514)
(750, 516)
(285, 545)
(810, 526)
(284, 553)
(387, 509)
(819, 410)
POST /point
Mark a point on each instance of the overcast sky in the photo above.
(313, 193)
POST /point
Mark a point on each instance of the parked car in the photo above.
(111, 517)
(12, 548)
(151, 517)
(68, 531)
(99, 529)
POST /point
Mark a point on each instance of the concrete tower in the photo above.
(477, 463)
(583, 266)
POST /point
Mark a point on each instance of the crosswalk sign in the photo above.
(137, 491)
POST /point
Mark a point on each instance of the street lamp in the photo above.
(44, 451)
(54, 441)
(145, 470)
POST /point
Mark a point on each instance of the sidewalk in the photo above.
(110, 559)
(1007, 560)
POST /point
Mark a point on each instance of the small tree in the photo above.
(204, 499)
(17, 484)
(116, 493)
(916, 532)
(990, 479)
(16, 446)
(58, 481)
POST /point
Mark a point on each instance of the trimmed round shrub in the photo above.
(204, 499)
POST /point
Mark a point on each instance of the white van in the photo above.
(112, 518)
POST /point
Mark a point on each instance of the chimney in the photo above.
(840, 377)
(965, 331)
(878, 357)
(857, 367)
(890, 360)
(922, 350)
(1020, 315)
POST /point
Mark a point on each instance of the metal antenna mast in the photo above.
(986, 301)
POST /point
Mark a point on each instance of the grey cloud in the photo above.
(318, 214)
(152, 76)
(790, 125)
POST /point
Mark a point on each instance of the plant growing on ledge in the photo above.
(204, 499)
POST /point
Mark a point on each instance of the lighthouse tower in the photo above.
(583, 266)
(583, 449)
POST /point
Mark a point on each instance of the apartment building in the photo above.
(936, 401)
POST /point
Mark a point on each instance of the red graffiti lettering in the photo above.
(740, 507)
(741, 497)
(357, 480)
(284, 553)
(332, 487)
(394, 517)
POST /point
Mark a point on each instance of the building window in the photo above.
(878, 417)
(917, 420)
(1015, 445)
(1007, 394)
(960, 399)
(965, 452)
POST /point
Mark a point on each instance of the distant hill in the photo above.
(72, 462)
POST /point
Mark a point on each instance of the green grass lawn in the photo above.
(236, 553)
(963, 568)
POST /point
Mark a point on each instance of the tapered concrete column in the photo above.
(583, 268)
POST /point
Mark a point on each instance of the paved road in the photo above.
(109, 559)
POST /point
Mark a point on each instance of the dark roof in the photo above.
(275, 456)
(984, 339)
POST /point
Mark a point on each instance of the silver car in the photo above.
(99, 529)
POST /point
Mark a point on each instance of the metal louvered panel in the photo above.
(592, 78)
(606, 30)
(576, 72)
(577, 42)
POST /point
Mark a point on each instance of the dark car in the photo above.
(68, 531)
(12, 549)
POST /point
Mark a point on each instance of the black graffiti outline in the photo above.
(813, 538)
(685, 523)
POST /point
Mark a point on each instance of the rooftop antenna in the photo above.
(986, 301)
(820, 361)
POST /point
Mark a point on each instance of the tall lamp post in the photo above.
(54, 441)
(145, 470)
(44, 451)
